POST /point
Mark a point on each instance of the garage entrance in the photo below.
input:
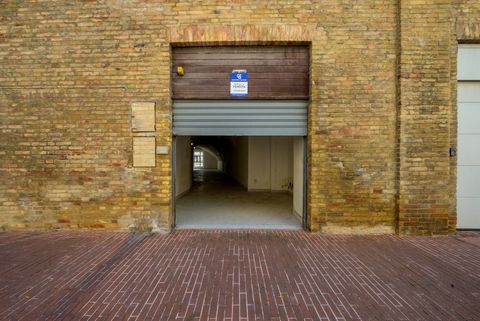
(468, 172)
(240, 126)
(240, 164)
(239, 182)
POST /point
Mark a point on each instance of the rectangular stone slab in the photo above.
(143, 117)
(144, 151)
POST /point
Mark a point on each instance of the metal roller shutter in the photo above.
(240, 117)
(468, 173)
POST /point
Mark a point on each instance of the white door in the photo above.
(468, 173)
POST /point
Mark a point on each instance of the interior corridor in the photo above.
(217, 201)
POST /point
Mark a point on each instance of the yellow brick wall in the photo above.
(424, 120)
(378, 143)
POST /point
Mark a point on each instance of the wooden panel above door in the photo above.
(274, 72)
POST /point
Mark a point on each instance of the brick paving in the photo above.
(241, 275)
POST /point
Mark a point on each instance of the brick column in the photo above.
(424, 123)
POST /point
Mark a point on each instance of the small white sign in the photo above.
(239, 83)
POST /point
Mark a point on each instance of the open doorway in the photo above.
(239, 182)
(255, 131)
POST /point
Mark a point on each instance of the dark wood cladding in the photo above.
(274, 72)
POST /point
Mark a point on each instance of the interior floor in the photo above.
(217, 201)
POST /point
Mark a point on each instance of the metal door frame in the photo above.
(305, 214)
(173, 216)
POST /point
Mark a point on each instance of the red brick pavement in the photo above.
(240, 275)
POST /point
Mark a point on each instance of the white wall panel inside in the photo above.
(184, 165)
(298, 172)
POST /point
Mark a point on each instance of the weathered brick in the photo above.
(381, 118)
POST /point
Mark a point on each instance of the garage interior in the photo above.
(239, 182)
(239, 161)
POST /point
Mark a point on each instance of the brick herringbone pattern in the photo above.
(244, 275)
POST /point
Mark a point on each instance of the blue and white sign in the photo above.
(239, 83)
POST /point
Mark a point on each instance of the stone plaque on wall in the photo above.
(144, 151)
(143, 117)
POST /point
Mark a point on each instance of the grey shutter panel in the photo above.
(240, 117)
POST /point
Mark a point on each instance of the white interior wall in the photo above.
(298, 171)
(281, 163)
(270, 163)
(210, 161)
(259, 163)
(237, 165)
(183, 163)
